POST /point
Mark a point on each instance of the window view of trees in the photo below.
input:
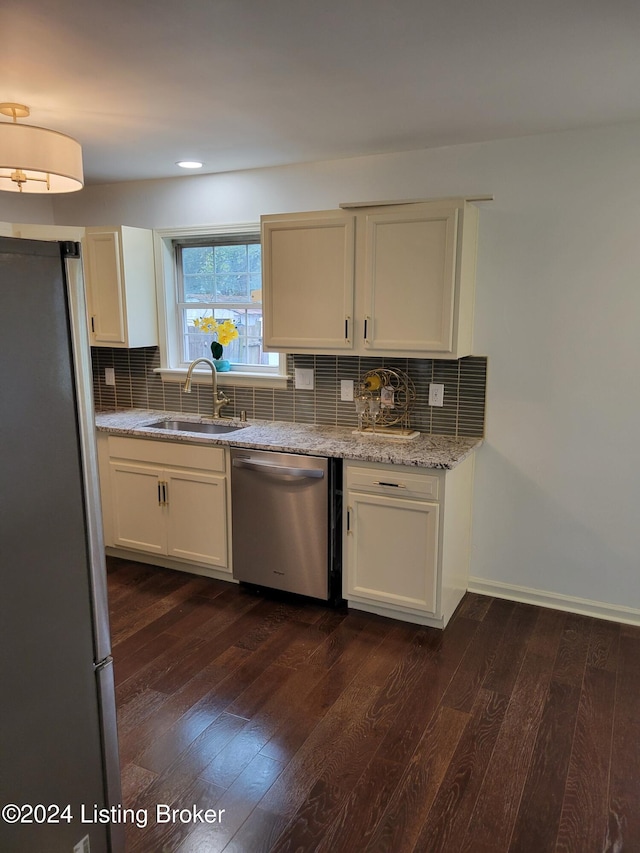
(223, 281)
(221, 273)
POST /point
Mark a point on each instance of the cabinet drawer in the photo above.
(390, 481)
(171, 453)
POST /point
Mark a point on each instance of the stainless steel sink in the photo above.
(194, 426)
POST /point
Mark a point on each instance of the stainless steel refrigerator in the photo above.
(58, 740)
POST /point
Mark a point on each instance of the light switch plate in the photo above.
(303, 379)
(109, 376)
(436, 394)
(346, 390)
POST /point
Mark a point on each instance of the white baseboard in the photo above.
(571, 604)
(393, 613)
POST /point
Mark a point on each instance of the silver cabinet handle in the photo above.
(313, 473)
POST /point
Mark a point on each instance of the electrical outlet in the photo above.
(303, 379)
(436, 394)
(346, 390)
(109, 376)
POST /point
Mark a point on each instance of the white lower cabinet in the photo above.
(407, 536)
(197, 517)
(138, 519)
(167, 500)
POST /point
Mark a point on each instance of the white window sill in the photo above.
(238, 378)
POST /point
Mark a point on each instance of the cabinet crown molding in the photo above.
(346, 205)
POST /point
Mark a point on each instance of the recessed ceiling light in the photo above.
(190, 164)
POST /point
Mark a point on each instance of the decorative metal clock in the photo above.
(384, 402)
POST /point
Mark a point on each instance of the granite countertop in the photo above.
(426, 451)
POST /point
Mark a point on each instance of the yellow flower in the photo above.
(205, 324)
(225, 330)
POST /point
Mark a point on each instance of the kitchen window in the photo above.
(222, 279)
(214, 274)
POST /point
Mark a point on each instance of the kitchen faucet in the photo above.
(219, 398)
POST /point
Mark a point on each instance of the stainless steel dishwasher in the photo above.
(285, 511)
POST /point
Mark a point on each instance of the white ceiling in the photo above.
(249, 83)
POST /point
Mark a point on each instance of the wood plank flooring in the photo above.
(312, 729)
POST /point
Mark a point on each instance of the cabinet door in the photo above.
(105, 294)
(391, 551)
(137, 507)
(308, 281)
(409, 280)
(197, 517)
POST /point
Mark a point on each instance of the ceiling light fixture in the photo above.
(190, 164)
(36, 160)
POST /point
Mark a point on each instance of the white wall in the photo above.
(28, 207)
(557, 496)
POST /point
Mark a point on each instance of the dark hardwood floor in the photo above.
(515, 729)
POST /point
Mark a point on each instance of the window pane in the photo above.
(197, 259)
(199, 288)
(231, 259)
(232, 288)
(255, 257)
(196, 344)
(255, 287)
(197, 269)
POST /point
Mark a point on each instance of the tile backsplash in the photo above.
(137, 386)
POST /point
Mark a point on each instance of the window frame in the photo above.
(169, 327)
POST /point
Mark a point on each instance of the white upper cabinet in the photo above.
(409, 280)
(394, 280)
(120, 280)
(29, 231)
(308, 280)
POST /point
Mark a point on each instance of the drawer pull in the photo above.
(394, 485)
